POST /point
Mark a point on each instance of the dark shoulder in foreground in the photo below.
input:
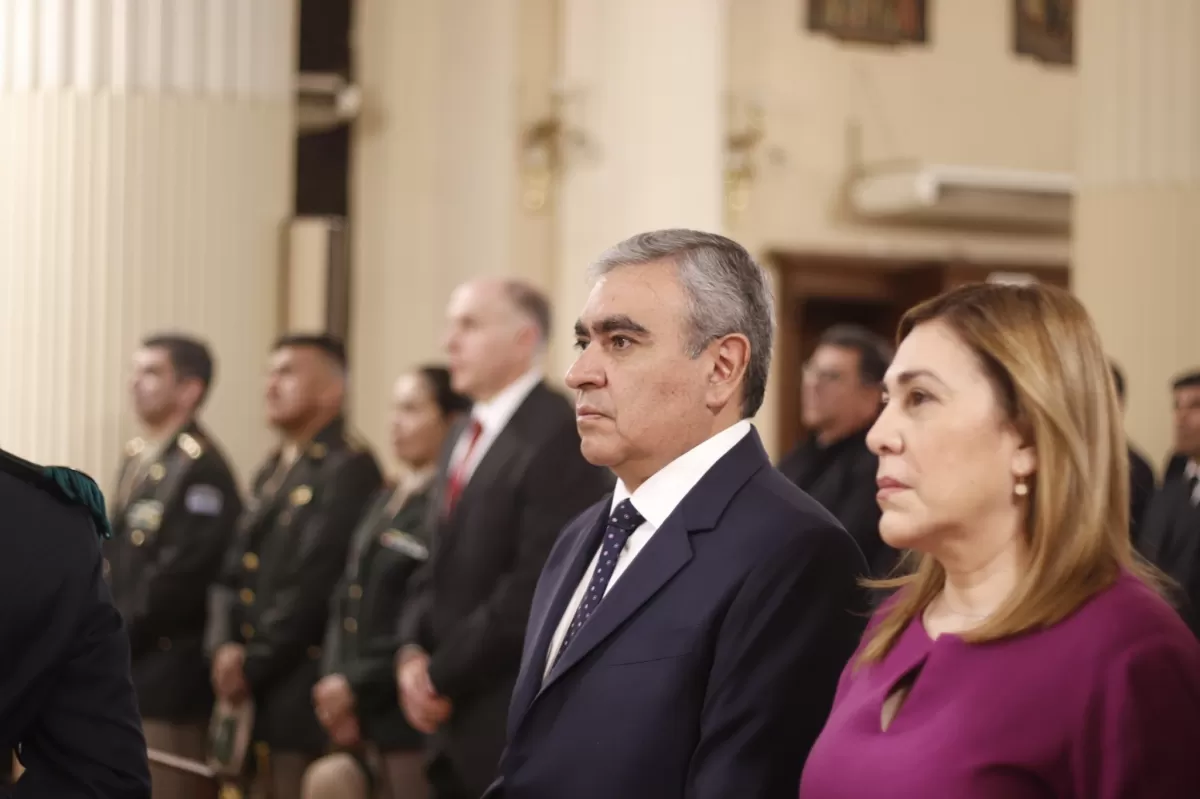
(30, 488)
(789, 512)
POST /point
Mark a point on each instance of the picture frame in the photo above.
(870, 21)
(1045, 30)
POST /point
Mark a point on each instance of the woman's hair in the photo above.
(449, 402)
(1052, 381)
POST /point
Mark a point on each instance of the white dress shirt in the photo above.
(655, 499)
(492, 416)
(1191, 472)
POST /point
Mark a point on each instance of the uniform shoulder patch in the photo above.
(204, 500)
(70, 485)
(80, 489)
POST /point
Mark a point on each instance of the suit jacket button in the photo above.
(247, 631)
(137, 538)
(164, 644)
(247, 596)
(351, 625)
(356, 591)
(250, 562)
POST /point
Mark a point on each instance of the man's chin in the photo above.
(597, 451)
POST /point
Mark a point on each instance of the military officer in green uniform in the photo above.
(173, 517)
(357, 701)
(291, 547)
(67, 704)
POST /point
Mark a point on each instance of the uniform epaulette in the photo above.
(70, 485)
(190, 445)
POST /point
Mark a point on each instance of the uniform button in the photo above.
(356, 591)
(164, 644)
(314, 653)
(247, 596)
(351, 625)
(137, 538)
(250, 562)
(247, 630)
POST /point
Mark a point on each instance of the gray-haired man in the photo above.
(688, 631)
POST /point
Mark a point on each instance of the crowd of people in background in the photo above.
(962, 582)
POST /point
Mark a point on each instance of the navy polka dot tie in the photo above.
(624, 520)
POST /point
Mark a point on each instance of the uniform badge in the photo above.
(158, 472)
(204, 500)
(301, 495)
(145, 515)
(405, 544)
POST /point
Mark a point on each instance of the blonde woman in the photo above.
(1029, 655)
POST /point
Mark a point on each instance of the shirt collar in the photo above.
(657, 498)
(494, 414)
(1192, 469)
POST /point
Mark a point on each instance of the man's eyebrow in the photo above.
(617, 323)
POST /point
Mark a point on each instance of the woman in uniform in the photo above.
(377, 753)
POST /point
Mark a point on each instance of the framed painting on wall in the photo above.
(1045, 29)
(871, 21)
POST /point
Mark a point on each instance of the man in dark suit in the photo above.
(688, 631)
(173, 515)
(290, 552)
(1141, 476)
(843, 389)
(511, 477)
(67, 703)
(1171, 532)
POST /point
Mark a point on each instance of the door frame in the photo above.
(804, 275)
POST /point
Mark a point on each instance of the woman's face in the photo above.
(948, 457)
(418, 426)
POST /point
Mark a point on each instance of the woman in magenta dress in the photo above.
(1028, 654)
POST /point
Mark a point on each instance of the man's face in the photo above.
(833, 394)
(487, 340)
(1187, 421)
(640, 397)
(152, 385)
(296, 380)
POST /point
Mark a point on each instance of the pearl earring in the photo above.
(1020, 489)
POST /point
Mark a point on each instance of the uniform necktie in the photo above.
(621, 524)
(457, 479)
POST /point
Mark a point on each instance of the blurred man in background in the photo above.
(511, 477)
(842, 394)
(173, 513)
(290, 552)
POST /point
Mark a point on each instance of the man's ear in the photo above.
(730, 359)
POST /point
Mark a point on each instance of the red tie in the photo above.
(458, 475)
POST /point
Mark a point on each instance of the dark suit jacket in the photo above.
(290, 553)
(1170, 539)
(388, 548)
(170, 537)
(66, 698)
(709, 668)
(841, 477)
(1141, 490)
(471, 602)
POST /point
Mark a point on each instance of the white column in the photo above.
(1137, 214)
(645, 81)
(434, 184)
(145, 174)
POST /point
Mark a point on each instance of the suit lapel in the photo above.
(544, 620)
(666, 553)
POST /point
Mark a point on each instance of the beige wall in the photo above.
(1137, 219)
(435, 192)
(963, 99)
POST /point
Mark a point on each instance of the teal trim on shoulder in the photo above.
(70, 485)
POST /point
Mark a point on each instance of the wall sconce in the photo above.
(740, 170)
(543, 149)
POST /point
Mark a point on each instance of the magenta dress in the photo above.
(1103, 705)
